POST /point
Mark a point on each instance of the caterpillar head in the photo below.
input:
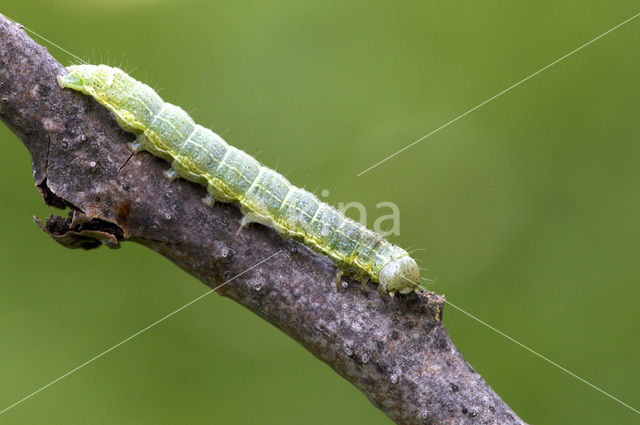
(400, 275)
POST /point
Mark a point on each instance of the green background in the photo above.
(527, 208)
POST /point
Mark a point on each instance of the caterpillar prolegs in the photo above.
(231, 175)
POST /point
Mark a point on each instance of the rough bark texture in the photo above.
(396, 351)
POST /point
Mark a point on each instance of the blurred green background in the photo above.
(527, 208)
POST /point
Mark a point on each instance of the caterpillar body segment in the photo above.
(231, 175)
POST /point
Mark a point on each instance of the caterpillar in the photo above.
(231, 175)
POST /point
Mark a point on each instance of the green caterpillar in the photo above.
(231, 175)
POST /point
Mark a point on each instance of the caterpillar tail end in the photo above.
(61, 81)
(72, 80)
(401, 275)
(77, 78)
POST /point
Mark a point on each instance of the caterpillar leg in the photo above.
(250, 217)
(209, 200)
(247, 219)
(138, 144)
(171, 174)
(339, 274)
(364, 282)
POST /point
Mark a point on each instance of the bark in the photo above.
(396, 351)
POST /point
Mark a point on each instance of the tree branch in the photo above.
(396, 351)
